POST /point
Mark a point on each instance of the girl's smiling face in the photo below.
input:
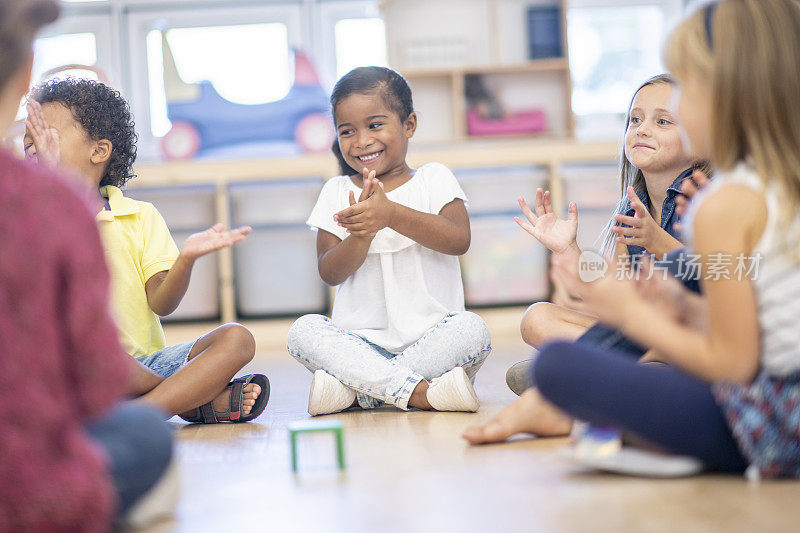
(653, 138)
(371, 134)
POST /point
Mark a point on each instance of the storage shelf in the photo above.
(540, 65)
(549, 154)
(564, 135)
(491, 43)
(480, 151)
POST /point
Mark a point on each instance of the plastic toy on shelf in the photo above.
(202, 120)
(487, 116)
(517, 123)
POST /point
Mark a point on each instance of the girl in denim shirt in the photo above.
(652, 156)
(654, 164)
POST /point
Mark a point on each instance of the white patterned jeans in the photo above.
(378, 376)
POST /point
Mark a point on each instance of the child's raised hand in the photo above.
(689, 189)
(599, 297)
(366, 191)
(545, 226)
(368, 183)
(46, 142)
(669, 295)
(370, 215)
(214, 238)
(642, 229)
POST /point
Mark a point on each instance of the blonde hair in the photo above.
(630, 176)
(749, 52)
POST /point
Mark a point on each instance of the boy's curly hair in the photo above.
(104, 114)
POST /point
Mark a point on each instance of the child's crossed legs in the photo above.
(459, 339)
(202, 376)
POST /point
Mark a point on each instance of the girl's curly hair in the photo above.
(104, 114)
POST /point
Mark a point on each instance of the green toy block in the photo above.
(314, 426)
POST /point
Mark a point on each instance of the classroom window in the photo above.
(247, 64)
(612, 50)
(62, 50)
(65, 49)
(359, 42)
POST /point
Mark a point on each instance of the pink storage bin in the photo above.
(519, 122)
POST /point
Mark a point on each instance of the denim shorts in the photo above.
(169, 360)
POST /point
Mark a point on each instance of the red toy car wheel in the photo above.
(314, 133)
(182, 141)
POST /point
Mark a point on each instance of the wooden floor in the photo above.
(412, 472)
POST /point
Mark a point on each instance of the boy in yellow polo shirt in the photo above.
(85, 127)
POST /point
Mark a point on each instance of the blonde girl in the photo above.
(731, 397)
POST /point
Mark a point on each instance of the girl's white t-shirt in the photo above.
(402, 289)
(774, 272)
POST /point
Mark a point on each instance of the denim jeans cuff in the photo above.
(367, 402)
(400, 394)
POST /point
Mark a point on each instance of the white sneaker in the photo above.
(632, 461)
(452, 391)
(328, 395)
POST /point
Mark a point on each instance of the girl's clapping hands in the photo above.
(372, 212)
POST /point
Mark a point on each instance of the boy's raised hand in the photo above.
(545, 226)
(372, 213)
(45, 139)
(214, 238)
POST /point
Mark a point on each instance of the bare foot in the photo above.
(223, 401)
(530, 413)
(419, 397)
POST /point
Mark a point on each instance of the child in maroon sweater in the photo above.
(64, 442)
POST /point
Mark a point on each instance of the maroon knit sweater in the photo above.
(61, 364)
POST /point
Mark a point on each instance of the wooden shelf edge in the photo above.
(469, 153)
(540, 152)
(539, 65)
(220, 171)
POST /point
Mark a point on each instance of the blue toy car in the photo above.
(203, 121)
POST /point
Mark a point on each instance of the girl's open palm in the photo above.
(214, 238)
(545, 226)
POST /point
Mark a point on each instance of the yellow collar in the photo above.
(119, 204)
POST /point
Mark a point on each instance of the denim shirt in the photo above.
(668, 216)
(604, 337)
